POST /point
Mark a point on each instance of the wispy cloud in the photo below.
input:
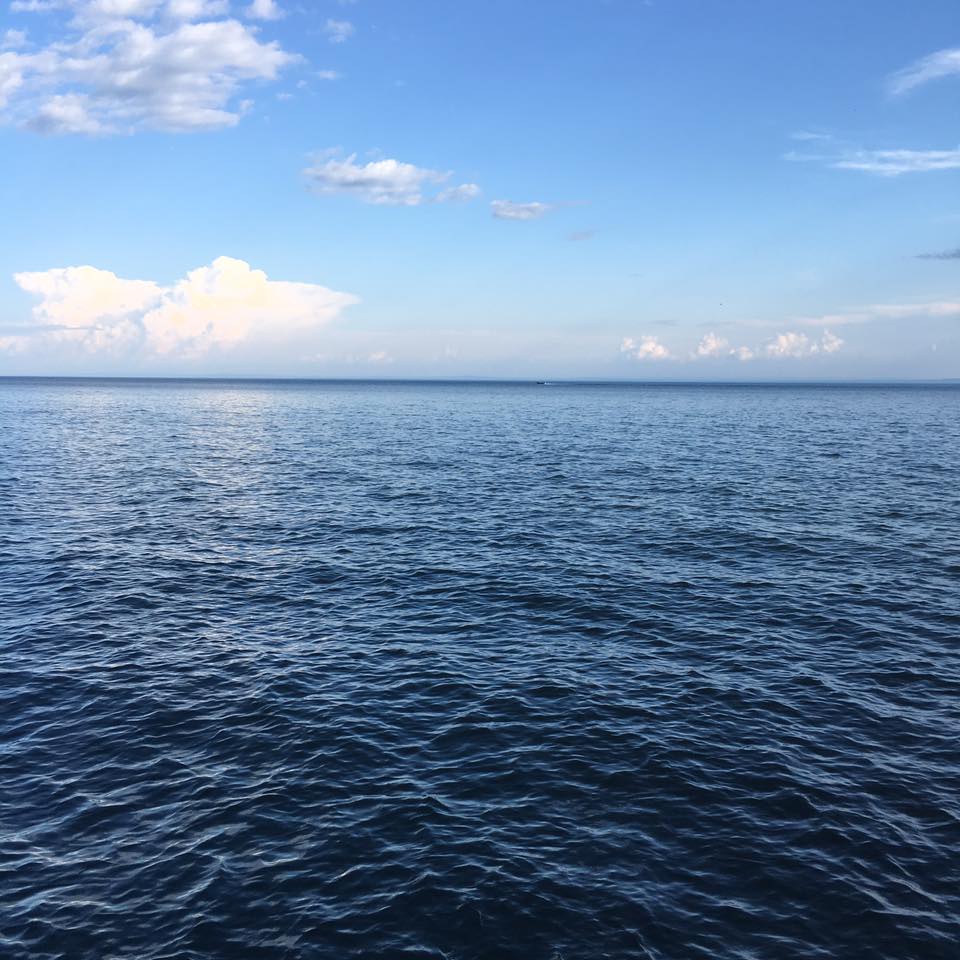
(13, 40)
(943, 63)
(894, 163)
(942, 255)
(461, 193)
(808, 136)
(339, 31)
(882, 163)
(883, 311)
(384, 182)
(116, 66)
(511, 210)
(217, 307)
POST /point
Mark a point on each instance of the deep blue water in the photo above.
(328, 670)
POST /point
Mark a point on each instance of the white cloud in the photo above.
(264, 10)
(384, 182)
(466, 191)
(784, 345)
(13, 40)
(799, 345)
(216, 307)
(510, 210)
(196, 9)
(893, 163)
(123, 65)
(943, 63)
(11, 76)
(645, 348)
(807, 136)
(66, 113)
(339, 31)
(329, 74)
(884, 311)
(712, 346)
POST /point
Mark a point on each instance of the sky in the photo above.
(610, 189)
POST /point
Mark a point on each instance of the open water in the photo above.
(479, 671)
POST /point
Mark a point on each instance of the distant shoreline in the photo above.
(478, 381)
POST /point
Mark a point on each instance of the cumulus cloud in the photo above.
(116, 66)
(339, 31)
(644, 348)
(799, 345)
(712, 346)
(510, 210)
(943, 63)
(216, 307)
(385, 182)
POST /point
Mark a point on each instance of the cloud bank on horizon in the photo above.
(213, 308)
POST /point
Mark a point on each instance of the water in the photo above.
(479, 671)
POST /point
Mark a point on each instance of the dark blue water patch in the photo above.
(315, 670)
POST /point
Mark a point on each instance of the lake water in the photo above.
(398, 670)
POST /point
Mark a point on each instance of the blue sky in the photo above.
(585, 188)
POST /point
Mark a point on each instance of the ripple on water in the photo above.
(397, 670)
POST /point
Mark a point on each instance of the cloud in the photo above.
(383, 182)
(942, 255)
(122, 65)
(216, 307)
(884, 311)
(712, 346)
(943, 63)
(464, 192)
(580, 235)
(807, 136)
(195, 9)
(339, 31)
(13, 40)
(799, 345)
(645, 348)
(510, 210)
(264, 10)
(329, 74)
(894, 163)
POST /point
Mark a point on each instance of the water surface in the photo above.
(295, 670)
